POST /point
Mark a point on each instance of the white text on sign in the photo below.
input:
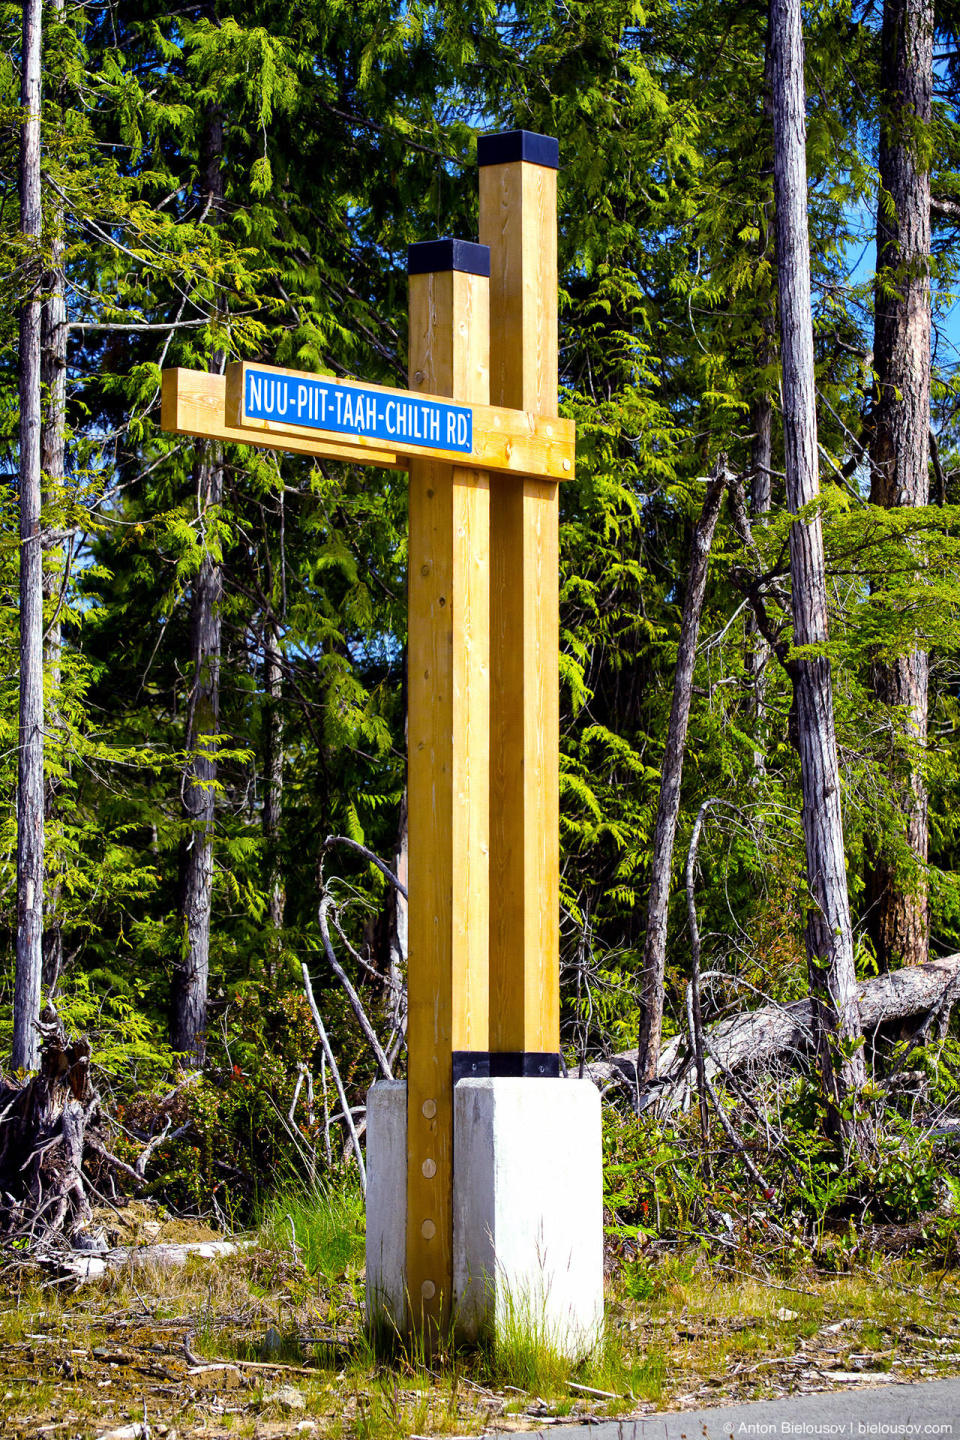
(322, 404)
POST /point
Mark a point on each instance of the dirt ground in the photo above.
(252, 1345)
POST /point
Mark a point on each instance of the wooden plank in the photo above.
(193, 402)
(448, 690)
(518, 222)
(505, 441)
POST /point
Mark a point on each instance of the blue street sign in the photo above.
(405, 421)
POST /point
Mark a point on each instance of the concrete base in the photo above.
(386, 1203)
(527, 1209)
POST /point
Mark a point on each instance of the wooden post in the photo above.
(452, 560)
(518, 220)
(448, 769)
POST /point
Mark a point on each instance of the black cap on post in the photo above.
(431, 257)
(519, 145)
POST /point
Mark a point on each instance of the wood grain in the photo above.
(448, 688)
(518, 222)
(193, 402)
(511, 442)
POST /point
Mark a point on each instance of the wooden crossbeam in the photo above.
(192, 402)
(505, 441)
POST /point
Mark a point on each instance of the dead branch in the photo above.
(351, 994)
(731, 1134)
(332, 840)
(331, 1060)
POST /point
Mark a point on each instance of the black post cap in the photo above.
(435, 256)
(519, 145)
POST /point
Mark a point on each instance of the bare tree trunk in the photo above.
(668, 807)
(829, 937)
(189, 1000)
(898, 915)
(761, 424)
(761, 456)
(273, 776)
(30, 835)
(693, 995)
(398, 928)
(761, 459)
(761, 415)
(53, 375)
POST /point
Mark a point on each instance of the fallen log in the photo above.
(165, 1256)
(777, 1032)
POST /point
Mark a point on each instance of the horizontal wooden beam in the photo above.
(504, 441)
(193, 402)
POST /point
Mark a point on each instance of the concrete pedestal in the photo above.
(527, 1208)
(386, 1203)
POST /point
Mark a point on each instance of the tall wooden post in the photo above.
(448, 677)
(482, 556)
(518, 220)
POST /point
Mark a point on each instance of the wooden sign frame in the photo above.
(505, 441)
(483, 662)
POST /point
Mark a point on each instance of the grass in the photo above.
(679, 1332)
(325, 1226)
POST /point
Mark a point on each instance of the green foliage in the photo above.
(350, 131)
(324, 1223)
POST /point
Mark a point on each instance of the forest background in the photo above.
(224, 632)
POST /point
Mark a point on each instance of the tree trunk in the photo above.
(761, 456)
(668, 808)
(898, 916)
(273, 770)
(53, 374)
(43, 1139)
(189, 1000)
(761, 425)
(761, 415)
(757, 651)
(26, 1002)
(829, 938)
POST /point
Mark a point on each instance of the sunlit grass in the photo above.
(323, 1226)
(675, 1325)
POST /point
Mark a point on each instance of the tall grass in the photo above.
(325, 1223)
(523, 1356)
